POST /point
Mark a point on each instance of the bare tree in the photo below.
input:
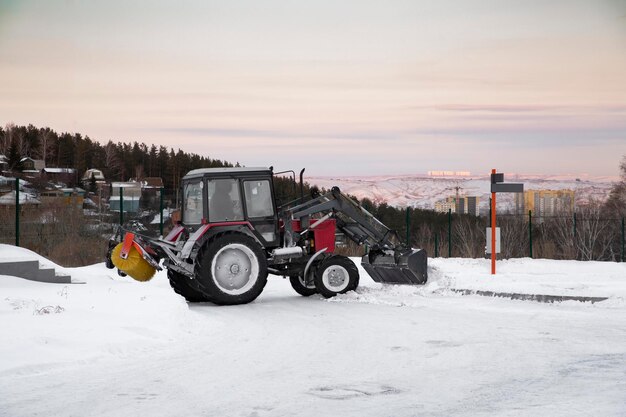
(514, 237)
(5, 144)
(594, 234)
(139, 172)
(45, 145)
(22, 144)
(111, 158)
(560, 231)
(469, 238)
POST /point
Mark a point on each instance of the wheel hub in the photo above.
(336, 278)
(235, 268)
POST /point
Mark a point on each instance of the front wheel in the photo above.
(336, 275)
(305, 289)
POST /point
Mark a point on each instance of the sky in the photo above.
(353, 87)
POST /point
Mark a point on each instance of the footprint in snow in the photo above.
(346, 392)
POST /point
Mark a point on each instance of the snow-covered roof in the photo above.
(202, 171)
(25, 198)
(59, 170)
(152, 182)
(76, 190)
(131, 184)
(98, 175)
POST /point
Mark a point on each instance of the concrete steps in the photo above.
(32, 271)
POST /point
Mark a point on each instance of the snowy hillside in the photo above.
(422, 191)
(116, 347)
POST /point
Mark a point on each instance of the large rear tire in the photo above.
(183, 286)
(336, 275)
(232, 269)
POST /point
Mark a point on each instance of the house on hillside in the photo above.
(71, 197)
(30, 164)
(8, 199)
(4, 164)
(151, 192)
(65, 176)
(6, 184)
(131, 196)
(96, 174)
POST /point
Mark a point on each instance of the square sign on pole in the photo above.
(498, 186)
(488, 247)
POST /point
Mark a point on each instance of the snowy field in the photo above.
(115, 347)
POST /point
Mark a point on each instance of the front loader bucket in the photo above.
(407, 267)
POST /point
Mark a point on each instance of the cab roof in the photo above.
(208, 172)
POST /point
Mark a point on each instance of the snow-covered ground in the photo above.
(115, 347)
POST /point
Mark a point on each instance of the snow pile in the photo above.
(452, 277)
(107, 315)
(536, 276)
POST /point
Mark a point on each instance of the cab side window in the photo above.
(224, 201)
(258, 198)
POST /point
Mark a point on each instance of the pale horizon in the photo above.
(357, 88)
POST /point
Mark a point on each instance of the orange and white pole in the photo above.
(493, 230)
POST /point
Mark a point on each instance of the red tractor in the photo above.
(232, 234)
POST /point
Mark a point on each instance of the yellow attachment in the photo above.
(134, 266)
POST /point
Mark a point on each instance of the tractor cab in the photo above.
(231, 196)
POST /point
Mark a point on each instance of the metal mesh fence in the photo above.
(73, 228)
(580, 236)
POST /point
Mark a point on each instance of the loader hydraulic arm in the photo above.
(388, 259)
(352, 219)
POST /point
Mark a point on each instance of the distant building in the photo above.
(443, 206)
(4, 164)
(96, 173)
(151, 192)
(471, 205)
(60, 175)
(131, 192)
(449, 173)
(71, 197)
(544, 203)
(98, 176)
(32, 166)
(462, 205)
(8, 199)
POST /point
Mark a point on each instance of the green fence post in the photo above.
(449, 233)
(408, 227)
(623, 240)
(436, 246)
(121, 206)
(161, 211)
(530, 232)
(17, 211)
